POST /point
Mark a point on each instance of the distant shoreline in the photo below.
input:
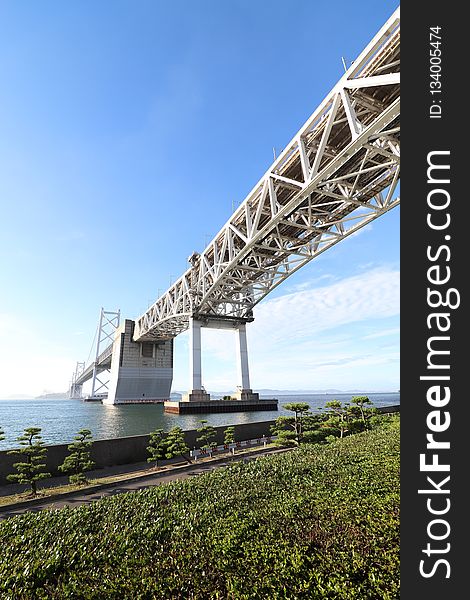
(261, 392)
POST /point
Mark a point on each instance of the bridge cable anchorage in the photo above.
(339, 172)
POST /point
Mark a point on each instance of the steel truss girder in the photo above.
(339, 172)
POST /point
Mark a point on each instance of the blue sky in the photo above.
(128, 131)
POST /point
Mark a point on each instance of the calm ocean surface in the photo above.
(60, 419)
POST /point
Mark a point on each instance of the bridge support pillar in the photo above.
(198, 401)
(244, 392)
(197, 392)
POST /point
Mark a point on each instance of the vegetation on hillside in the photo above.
(335, 420)
(320, 521)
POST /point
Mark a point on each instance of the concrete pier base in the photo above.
(245, 395)
(198, 401)
(219, 406)
(196, 396)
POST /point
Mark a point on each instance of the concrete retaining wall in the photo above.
(126, 450)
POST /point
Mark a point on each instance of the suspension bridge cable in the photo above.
(92, 345)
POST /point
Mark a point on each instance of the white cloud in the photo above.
(370, 295)
(384, 333)
(361, 230)
(306, 285)
(320, 368)
(309, 338)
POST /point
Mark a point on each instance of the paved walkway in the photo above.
(139, 478)
(61, 480)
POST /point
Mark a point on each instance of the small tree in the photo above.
(281, 429)
(290, 429)
(31, 469)
(157, 446)
(338, 416)
(300, 410)
(207, 436)
(175, 444)
(362, 406)
(229, 435)
(79, 460)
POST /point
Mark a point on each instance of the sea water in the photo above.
(61, 418)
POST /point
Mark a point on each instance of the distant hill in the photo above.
(267, 391)
(302, 392)
(176, 395)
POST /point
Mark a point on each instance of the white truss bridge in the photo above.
(340, 171)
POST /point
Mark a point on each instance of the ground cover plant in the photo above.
(320, 521)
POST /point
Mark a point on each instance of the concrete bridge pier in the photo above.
(197, 392)
(141, 372)
(244, 391)
(198, 401)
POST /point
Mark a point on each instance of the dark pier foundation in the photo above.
(194, 407)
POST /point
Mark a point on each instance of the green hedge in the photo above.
(316, 522)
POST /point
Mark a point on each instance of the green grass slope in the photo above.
(317, 522)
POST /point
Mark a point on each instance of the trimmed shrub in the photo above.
(33, 453)
(78, 461)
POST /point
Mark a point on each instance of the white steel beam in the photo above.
(374, 81)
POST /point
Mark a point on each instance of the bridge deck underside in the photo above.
(338, 173)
